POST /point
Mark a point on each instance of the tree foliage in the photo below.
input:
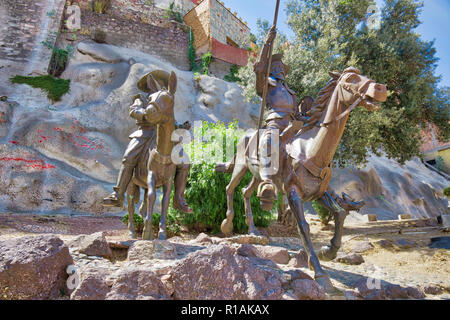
(334, 34)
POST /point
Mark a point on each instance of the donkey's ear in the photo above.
(152, 84)
(173, 83)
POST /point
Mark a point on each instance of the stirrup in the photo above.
(112, 201)
(266, 191)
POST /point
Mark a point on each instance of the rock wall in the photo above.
(64, 158)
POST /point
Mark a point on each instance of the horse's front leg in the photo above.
(147, 234)
(297, 206)
(247, 192)
(143, 207)
(238, 173)
(167, 190)
(328, 253)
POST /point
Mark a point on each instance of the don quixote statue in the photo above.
(306, 147)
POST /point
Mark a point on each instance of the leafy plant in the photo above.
(232, 76)
(172, 14)
(206, 61)
(59, 59)
(205, 190)
(191, 54)
(324, 214)
(54, 87)
(138, 221)
(447, 192)
(100, 6)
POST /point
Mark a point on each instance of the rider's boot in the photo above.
(179, 199)
(116, 198)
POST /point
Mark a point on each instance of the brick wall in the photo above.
(145, 31)
(25, 24)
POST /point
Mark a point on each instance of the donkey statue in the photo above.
(156, 169)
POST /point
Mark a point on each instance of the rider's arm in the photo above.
(260, 67)
(137, 111)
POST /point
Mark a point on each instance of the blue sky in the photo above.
(435, 19)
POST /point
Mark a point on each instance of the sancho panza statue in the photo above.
(141, 141)
(281, 105)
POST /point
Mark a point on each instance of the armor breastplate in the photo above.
(280, 102)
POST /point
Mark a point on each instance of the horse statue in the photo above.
(155, 169)
(305, 157)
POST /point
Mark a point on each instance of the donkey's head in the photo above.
(160, 107)
(354, 86)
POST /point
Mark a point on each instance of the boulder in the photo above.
(93, 284)
(351, 258)
(405, 243)
(218, 273)
(371, 290)
(202, 238)
(300, 259)
(133, 282)
(361, 246)
(92, 245)
(386, 244)
(306, 289)
(33, 267)
(276, 254)
(148, 250)
(432, 289)
(249, 239)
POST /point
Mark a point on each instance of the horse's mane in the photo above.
(321, 102)
(324, 96)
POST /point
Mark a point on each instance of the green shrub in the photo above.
(100, 6)
(172, 14)
(324, 214)
(192, 55)
(205, 190)
(206, 61)
(232, 76)
(447, 192)
(54, 87)
(138, 222)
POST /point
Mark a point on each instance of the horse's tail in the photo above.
(227, 167)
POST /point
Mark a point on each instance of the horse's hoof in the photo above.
(147, 234)
(162, 236)
(327, 254)
(227, 228)
(325, 282)
(132, 234)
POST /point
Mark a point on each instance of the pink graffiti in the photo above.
(35, 164)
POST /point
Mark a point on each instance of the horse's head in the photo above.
(160, 107)
(354, 86)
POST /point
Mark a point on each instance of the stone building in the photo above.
(219, 31)
(435, 152)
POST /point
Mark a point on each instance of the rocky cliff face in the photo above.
(65, 157)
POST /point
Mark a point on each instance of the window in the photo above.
(232, 43)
